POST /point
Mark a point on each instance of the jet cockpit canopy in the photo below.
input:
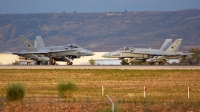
(73, 46)
(126, 48)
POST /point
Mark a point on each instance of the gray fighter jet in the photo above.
(42, 54)
(167, 51)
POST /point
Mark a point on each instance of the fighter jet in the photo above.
(167, 51)
(42, 54)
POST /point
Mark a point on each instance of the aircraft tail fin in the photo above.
(166, 44)
(27, 44)
(174, 46)
(39, 42)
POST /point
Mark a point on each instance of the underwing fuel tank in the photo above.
(43, 59)
(137, 60)
(40, 58)
(154, 60)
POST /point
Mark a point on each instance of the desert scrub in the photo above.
(92, 62)
(15, 91)
(66, 89)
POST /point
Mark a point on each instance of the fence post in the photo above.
(188, 92)
(112, 104)
(102, 89)
(144, 91)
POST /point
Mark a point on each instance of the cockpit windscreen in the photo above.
(126, 48)
(73, 46)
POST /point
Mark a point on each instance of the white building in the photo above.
(8, 59)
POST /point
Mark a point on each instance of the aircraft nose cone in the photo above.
(149, 60)
(107, 55)
(89, 53)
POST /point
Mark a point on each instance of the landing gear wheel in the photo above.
(151, 63)
(69, 63)
(38, 63)
(52, 62)
(160, 63)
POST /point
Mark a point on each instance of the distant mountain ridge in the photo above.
(101, 31)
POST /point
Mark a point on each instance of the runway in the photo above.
(100, 67)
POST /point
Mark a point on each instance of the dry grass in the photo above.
(125, 84)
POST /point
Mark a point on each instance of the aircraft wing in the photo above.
(135, 52)
(185, 54)
(60, 51)
(171, 54)
(41, 52)
(156, 53)
(140, 52)
(164, 53)
(30, 52)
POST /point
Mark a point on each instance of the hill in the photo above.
(101, 31)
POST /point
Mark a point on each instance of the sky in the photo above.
(87, 6)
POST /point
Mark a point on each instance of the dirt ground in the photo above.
(165, 90)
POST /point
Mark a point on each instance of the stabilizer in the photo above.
(166, 44)
(174, 46)
(27, 44)
(39, 42)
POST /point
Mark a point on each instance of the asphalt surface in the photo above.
(154, 67)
